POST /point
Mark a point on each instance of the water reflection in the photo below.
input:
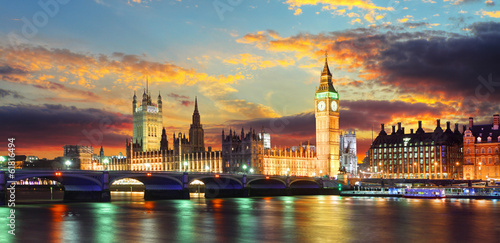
(275, 219)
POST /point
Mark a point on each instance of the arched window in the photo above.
(482, 150)
(468, 150)
(489, 139)
(489, 150)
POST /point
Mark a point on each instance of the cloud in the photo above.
(4, 93)
(248, 109)
(257, 62)
(492, 14)
(457, 2)
(362, 4)
(489, 3)
(182, 99)
(28, 64)
(429, 63)
(39, 129)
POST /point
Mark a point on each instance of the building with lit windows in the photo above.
(79, 157)
(417, 155)
(481, 150)
(348, 153)
(251, 151)
(149, 149)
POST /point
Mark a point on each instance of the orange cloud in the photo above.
(492, 14)
(248, 109)
(48, 68)
(255, 62)
(333, 4)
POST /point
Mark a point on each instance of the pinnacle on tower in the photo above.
(196, 104)
(326, 70)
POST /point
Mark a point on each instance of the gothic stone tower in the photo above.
(147, 123)
(327, 125)
(196, 134)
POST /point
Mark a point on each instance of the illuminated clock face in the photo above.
(334, 106)
(321, 106)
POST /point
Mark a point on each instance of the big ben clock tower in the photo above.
(327, 125)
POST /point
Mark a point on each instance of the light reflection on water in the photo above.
(128, 218)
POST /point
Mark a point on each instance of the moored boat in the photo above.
(424, 193)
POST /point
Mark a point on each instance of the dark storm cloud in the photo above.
(5, 93)
(57, 125)
(7, 70)
(465, 66)
(299, 124)
(363, 114)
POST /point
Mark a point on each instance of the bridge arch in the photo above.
(304, 183)
(70, 181)
(152, 182)
(222, 182)
(263, 183)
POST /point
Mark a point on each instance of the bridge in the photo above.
(82, 185)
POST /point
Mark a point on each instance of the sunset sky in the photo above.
(68, 70)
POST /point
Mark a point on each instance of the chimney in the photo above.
(471, 122)
(456, 127)
(411, 131)
(495, 122)
(399, 126)
(438, 123)
(419, 124)
(402, 130)
(393, 129)
(448, 126)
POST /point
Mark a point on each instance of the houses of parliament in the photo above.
(148, 149)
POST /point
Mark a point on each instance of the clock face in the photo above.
(321, 106)
(334, 106)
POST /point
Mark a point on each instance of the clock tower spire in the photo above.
(327, 124)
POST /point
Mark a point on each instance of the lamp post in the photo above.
(148, 165)
(105, 162)
(207, 168)
(251, 170)
(67, 163)
(244, 168)
(2, 159)
(185, 166)
(287, 171)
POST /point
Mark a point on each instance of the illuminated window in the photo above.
(489, 150)
(482, 150)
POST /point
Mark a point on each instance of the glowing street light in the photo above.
(207, 168)
(251, 170)
(67, 163)
(287, 171)
(185, 165)
(148, 165)
(105, 162)
(244, 168)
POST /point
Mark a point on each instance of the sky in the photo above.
(69, 69)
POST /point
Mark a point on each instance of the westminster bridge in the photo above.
(85, 185)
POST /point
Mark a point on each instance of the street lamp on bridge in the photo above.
(67, 163)
(244, 168)
(105, 162)
(185, 166)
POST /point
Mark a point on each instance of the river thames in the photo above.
(267, 219)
